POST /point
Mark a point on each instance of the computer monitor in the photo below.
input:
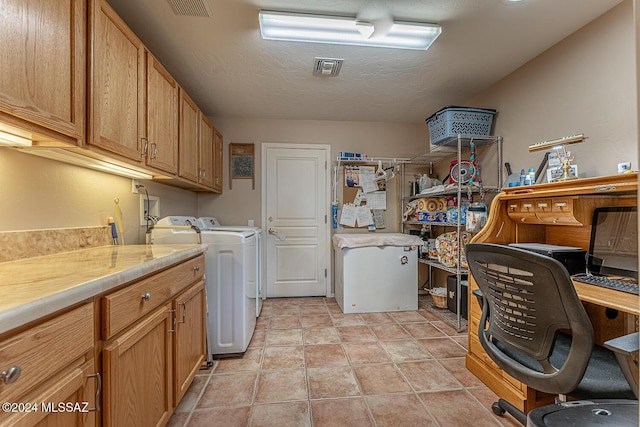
(613, 249)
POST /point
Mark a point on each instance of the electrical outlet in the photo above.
(149, 209)
(134, 186)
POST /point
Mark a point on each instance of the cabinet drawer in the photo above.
(560, 212)
(123, 307)
(562, 205)
(522, 211)
(45, 349)
(73, 386)
(542, 205)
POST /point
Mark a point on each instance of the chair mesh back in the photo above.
(529, 297)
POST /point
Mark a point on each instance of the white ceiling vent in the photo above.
(328, 67)
(190, 7)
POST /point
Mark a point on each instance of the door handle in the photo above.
(276, 233)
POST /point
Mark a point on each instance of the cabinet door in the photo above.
(137, 370)
(217, 161)
(188, 142)
(116, 94)
(206, 152)
(190, 339)
(162, 117)
(43, 71)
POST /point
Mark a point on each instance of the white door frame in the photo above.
(326, 202)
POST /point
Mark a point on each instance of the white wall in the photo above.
(584, 84)
(39, 193)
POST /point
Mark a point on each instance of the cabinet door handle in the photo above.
(11, 375)
(145, 146)
(174, 321)
(98, 391)
(154, 154)
(184, 312)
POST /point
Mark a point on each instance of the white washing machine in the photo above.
(231, 280)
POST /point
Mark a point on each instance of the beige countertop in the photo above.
(35, 287)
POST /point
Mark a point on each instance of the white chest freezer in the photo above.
(375, 273)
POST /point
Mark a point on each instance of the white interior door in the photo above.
(295, 213)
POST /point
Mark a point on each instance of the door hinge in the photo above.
(325, 165)
(325, 272)
(325, 218)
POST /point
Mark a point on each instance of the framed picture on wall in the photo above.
(241, 163)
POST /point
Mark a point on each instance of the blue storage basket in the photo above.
(451, 121)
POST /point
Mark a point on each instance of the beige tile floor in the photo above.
(309, 364)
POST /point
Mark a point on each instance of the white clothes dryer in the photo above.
(231, 282)
(212, 223)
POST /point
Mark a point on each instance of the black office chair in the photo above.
(535, 328)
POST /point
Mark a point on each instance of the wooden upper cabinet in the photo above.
(188, 141)
(206, 152)
(162, 117)
(217, 161)
(43, 66)
(116, 94)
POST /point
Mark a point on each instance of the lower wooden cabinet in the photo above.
(125, 359)
(137, 370)
(49, 372)
(149, 365)
(190, 346)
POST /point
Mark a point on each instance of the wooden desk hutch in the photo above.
(559, 214)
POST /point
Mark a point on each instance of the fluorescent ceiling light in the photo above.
(344, 30)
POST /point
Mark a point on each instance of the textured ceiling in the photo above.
(230, 71)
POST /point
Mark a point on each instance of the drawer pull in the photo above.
(11, 375)
(146, 296)
(196, 268)
(98, 391)
(561, 205)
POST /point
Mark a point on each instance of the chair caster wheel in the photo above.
(497, 409)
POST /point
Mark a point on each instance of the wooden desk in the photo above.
(622, 301)
(558, 214)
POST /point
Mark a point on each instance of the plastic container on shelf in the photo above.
(476, 217)
(452, 121)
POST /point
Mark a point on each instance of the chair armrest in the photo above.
(478, 294)
(627, 345)
(626, 349)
